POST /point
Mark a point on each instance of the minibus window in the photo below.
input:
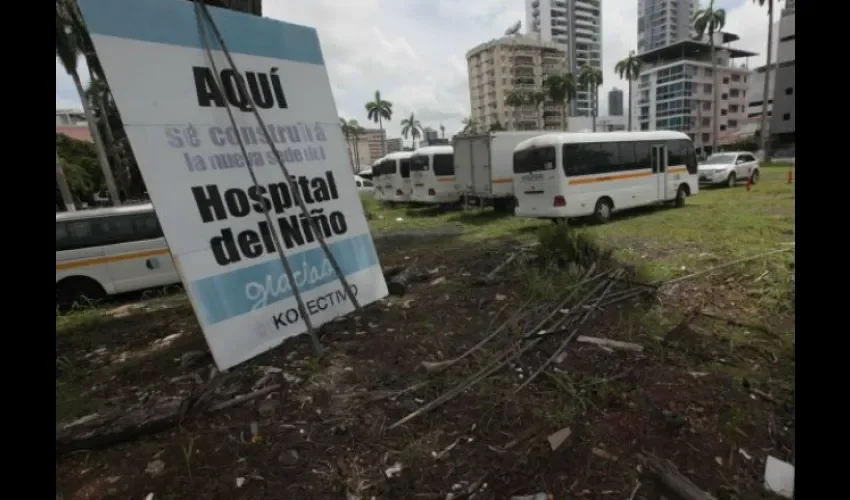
(534, 160)
(418, 163)
(444, 165)
(405, 168)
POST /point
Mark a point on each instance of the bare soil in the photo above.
(692, 396)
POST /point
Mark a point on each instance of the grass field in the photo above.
(717, 224)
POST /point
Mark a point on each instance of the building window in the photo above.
(736, 78)
(707, 88)
(706, 137)
(724, 96)
(723, 127)
(723, 112)
(706, 122)
(708, 72)
(733, 123)
(789, 91)
(786, 116)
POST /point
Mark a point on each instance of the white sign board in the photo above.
(189, 156)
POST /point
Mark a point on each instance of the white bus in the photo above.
(391, 176)
(107, 251)
(433, 175)
(557, 176)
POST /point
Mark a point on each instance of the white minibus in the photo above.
(107, 251)
(433, 175)
(393, 177)
(562, 175)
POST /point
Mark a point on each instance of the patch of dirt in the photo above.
(325, 433)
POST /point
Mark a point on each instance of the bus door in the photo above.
(659, 168)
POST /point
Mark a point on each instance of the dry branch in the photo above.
(665, 473)
(101, 431)
(613, 344)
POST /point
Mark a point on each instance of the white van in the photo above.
(484, 166)
(392, 177)
(108, 251)
(557, 176)
(433, 175)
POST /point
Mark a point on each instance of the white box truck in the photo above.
(484, 166)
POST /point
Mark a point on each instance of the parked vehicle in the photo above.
(364, 185)
(392, 177)
(433, 176)
(484, 166)
(107, 251)
(729, 168)
(562, 175)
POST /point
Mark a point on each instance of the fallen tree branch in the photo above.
(101, 431)
(739, 324)
(613, 344)
(666, 475)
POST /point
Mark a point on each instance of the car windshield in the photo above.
(719, 160)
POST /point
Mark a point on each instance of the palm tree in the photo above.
(351, 129)
(411, 127)
(536, 99)
(442, 131)
(590, 77)
(68, 48)
(629, 69)
(763, 135)
(562, 90)
(378, 111)
(469, 126)
(709, 21)
(515, 99)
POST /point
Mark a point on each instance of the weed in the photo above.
(188, 452)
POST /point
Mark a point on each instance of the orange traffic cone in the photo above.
(790, 175)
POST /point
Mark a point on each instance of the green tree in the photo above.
(537, 99)
(379, 111)
(70, 37)
(629, 69)
(496, 127)
(709, 21)
(561, 90)
(763, 134)
(411, 127)
(469, 126)
(515, 99)
(442, 131)
(590, 78)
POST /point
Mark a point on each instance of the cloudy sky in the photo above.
(413, 51)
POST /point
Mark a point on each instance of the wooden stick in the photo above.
(613, 344)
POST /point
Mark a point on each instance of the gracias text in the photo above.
(276, 198)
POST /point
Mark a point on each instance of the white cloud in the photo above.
(413, 51)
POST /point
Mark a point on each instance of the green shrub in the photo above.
(561, 245)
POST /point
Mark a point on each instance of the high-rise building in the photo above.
(513, 64)
(615, 102)
(394, 145)
(576, 27)
(780, 101)
(675, 90)
(429, 135)
(662, 22)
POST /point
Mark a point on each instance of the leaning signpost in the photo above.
(216, 127)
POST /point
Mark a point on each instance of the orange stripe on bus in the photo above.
(605, 178)
(445, 179)
(677, 170)
(502, 180)
(61, 266)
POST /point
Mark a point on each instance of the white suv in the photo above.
(729, 168)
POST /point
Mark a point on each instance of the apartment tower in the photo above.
(576, 27)
(675, 90)
(615, 102)
(662, 22)
(513, 64)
